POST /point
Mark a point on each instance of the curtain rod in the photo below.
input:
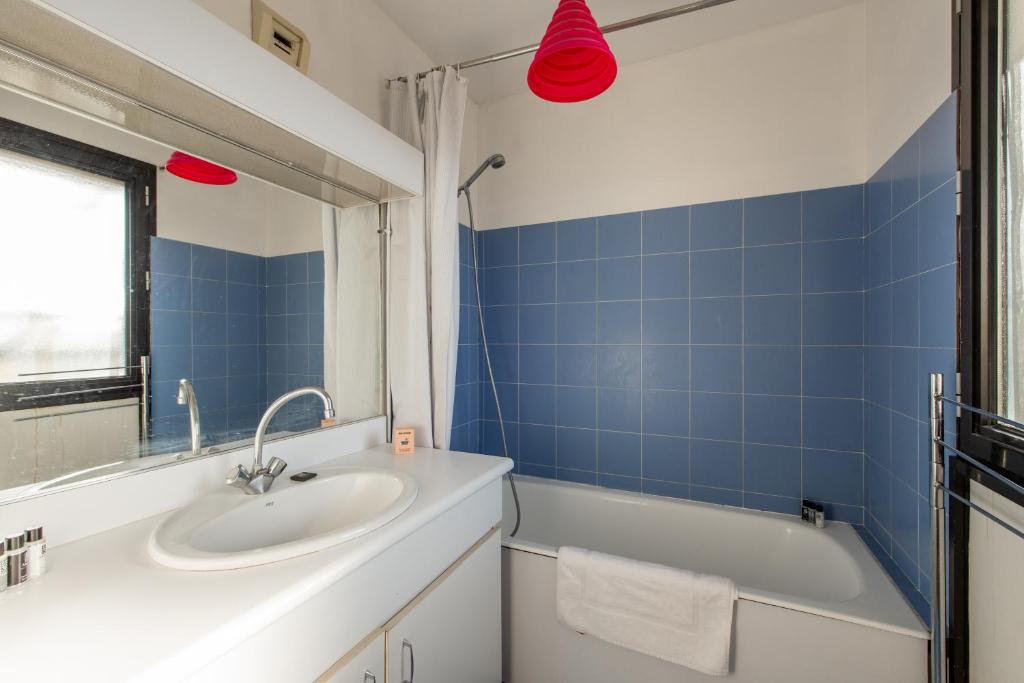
(610, 28)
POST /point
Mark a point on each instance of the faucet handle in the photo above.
(239, 477)
(275, 467)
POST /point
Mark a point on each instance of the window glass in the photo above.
(1009, 339)
(60, 220)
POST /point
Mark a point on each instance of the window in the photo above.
(991, 73)
(1009, 340)
(73, 302)
(992, 230)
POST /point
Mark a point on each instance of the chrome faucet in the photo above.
(187, 396)
(260, 478)
(812, 513)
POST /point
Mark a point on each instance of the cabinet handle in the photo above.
(412, 662)
(368, 677)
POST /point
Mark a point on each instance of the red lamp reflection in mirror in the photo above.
(199, 171)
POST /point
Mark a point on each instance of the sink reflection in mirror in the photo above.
(119, 280)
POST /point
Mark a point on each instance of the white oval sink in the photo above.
(229, 530)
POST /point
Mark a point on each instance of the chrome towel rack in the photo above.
(941, 453)
(73, 372)
(47, 416)
(77, 392)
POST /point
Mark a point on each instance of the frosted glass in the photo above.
(63, 278)
(1010, 325)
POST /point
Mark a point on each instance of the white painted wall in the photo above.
(355, 48)
(909, 65)
(250, 216)
(816, 102)
(776, 110)
(995, 595)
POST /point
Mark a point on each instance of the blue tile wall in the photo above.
(910, 315)
(467, 416)
(750, 352)
(295, 334)
(681, 351)
(243, 328)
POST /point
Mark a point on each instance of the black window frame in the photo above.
(997, 445)
(140, 200)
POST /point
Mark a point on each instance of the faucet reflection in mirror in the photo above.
(187, 397)
(260, 478)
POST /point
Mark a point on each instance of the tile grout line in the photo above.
(643, 362)
(519, 354)
(643, 344)
(892, 187)
(864, 362)
(597, 332)
(743, 346)
(803, 491)
(557, 340)
(917, 373)
(767, 245)
(689, 356)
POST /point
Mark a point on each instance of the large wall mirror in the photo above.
(121, 283)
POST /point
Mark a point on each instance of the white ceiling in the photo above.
(450, 31)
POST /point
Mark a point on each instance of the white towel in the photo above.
(675, 615)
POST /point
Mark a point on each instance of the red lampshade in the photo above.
(574, 62)
(198, 171)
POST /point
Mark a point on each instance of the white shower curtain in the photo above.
(423, 320)
(352, 310)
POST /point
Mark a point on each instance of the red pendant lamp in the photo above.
(574, 62)
(199, 171)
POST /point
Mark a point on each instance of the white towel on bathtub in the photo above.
(675, 615)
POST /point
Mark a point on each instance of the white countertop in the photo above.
(105, 607)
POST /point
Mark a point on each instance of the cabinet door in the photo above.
(365, 664)
(451, 633)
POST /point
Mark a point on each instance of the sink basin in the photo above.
(230, 530)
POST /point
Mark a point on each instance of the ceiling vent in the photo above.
(279, 36)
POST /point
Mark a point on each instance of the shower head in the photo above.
(493, 161)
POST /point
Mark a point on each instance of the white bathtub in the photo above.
(814, 604)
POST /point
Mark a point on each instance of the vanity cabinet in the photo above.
(364, 664)
(452, 630)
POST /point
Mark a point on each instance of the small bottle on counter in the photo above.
(17, 568)
(35, 552)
